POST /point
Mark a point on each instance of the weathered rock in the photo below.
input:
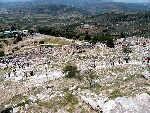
(146, 74)
(143, 102)
(138, 104)
(95, 101)
(111, 107)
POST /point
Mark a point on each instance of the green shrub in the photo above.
(127, 50)
(41, 42)
(70, 98)
(6, 42)
(90, 75)
(1, 46)
(106, 39)
(7, 110)
(16, 48)
(115, 94)
(15, 42)
(70, 70)
(2, 53)
(19, 38)
(110, 43)
(35, 42)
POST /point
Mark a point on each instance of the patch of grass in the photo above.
(7, 83)
(16, 49)
(22, 104)
(5, 71)
(48, 104)
(83, 110)
(104, 88)
(54, 40)
(148, 69)
(17, 99)
(6, 42)
(97, 88)
(133, 77)
(116, 93)
(146, 84)
(36, 90)
(71, 99)
(59, 102)
(117, 69)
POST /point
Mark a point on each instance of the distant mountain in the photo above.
(72, 2)
(76, 3)
(92, 6)
(98, 6)
(116, 6)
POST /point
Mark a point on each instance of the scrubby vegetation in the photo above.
(70, 70)
(18, 38)
(102, 38)
(2, 53)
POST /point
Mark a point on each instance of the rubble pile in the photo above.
(121, 83)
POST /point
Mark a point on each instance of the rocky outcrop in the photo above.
(146, 74)
(138, 104)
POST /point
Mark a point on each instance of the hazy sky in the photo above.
(16, 0)
(129, 1)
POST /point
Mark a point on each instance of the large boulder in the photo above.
(138, 104)
(111, 107)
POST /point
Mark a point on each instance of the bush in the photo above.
(19, 38)
(127, 50)
(110, 43)
(41, 42)
(7, 110)
(106, 39)
(6, 42)
(16, 48)
(70, 70)
(90, 75)
(2, 53)
(115, 94)
(1, 46)
(15, 42)
(35, 42)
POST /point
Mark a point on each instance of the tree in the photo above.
(13, 27)
(110, 43)
(122, 35)
(87, 37)
(70, 70)
(31, 32)
(106, 39)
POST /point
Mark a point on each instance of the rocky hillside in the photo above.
(58, 75)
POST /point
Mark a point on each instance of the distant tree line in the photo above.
(72, 34)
